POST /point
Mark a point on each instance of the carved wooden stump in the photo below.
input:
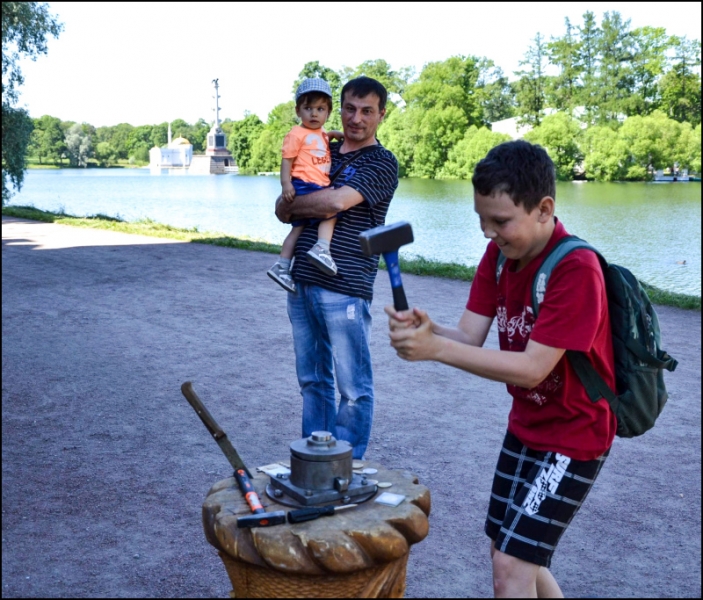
(361, 552)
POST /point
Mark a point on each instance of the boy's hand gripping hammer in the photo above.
(386, 240)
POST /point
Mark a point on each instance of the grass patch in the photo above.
(141, 227)
(414, 266)
(426, 266)
(658, 296)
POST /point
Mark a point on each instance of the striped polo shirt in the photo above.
(375, 176)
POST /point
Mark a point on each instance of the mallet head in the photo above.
(385, 238)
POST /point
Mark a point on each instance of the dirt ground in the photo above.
(105, 465)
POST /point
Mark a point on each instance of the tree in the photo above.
(105, 154)
(605, 154)
(688, 153)
(439, 130)
(681, 86)
(615, 79)
(494, 93)
(78, 146)
(399, 134)
(139, 137)
(242, 135)
(652, 142)
(25, 26)
(649, 46)
(589, 36)
(266, 149)
(180, 128)
(48, 141)
(531, 88)
(198, 135)
(117, 136)
(395, 82)
(565, 88)
(472, 148)
(440, 105)
(448, 83)
(558, 135)
(159, 135)
(694, 150)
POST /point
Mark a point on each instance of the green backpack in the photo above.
(639, 359)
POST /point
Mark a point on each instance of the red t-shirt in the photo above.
(557, 415)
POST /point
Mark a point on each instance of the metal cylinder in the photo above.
(320, 462)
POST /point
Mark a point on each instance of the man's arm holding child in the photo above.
(318, 205)
(415, 337)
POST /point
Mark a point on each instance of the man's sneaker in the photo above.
(322, 259)
(282, 277)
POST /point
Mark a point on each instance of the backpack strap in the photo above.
(596, 388)
(595, 385)
(500, 263)
(564, 246)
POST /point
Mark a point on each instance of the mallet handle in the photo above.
(260, 518)
(400, 302)
(250, 494)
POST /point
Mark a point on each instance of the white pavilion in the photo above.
(176, 154)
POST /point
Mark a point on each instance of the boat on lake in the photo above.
(673, 175)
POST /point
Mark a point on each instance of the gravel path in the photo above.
(105, 466)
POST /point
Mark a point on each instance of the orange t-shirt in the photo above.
(310, 149)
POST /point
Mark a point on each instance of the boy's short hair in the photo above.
(313, 97)
(363, 86)
(522, 170)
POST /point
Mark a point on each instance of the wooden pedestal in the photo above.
(361, 552)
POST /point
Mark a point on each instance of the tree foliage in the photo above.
(681, 86)
(25, 27)
(48, 142)
(242, 135)
(466, 154)
(531, 88)
(558, 135)
(79, 145)
(606, 101)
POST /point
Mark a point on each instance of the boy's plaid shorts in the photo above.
(534, 497)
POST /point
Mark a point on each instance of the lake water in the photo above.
(651, 228)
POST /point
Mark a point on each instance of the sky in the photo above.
(146, 62)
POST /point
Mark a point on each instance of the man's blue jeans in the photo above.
(331, 330)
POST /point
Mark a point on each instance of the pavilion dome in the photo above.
(180, 141)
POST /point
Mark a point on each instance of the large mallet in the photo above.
(386, 240)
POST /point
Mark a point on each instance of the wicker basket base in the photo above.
(251, 581)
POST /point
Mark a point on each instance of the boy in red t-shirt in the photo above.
(557, 439)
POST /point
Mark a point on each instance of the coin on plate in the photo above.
(384, 484)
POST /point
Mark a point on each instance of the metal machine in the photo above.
(320, 472)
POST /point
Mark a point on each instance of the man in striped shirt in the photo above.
(330, 315)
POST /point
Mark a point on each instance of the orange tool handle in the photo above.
(247, 488)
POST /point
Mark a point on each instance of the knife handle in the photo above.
(308, 514)
(202, 412)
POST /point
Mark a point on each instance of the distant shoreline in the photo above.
(417, 266)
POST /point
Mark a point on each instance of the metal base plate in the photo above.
(292, 495)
